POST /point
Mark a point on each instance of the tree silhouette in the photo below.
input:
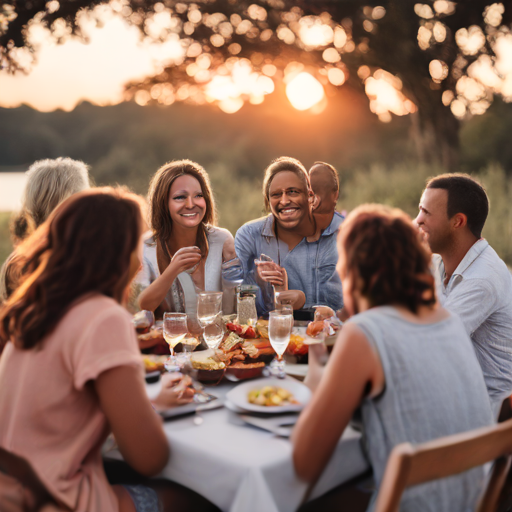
(439, 58)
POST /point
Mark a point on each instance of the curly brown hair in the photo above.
(387, 258)
(84, 247)
(158, 199)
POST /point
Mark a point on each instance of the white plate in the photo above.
(238, 395)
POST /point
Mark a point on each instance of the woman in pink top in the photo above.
(70, 371)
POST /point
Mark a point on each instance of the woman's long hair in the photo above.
(85, 246)
(387, 258)
(158, 198)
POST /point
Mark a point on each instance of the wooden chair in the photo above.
(411, 465)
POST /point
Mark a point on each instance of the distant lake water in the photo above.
(12, 185)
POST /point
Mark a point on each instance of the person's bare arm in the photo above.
(155, 293)
(353, 366)
(135, 425)
(228, 249)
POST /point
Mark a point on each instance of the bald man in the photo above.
(326, 186)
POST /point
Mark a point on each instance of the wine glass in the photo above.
(208, 307)
(279, 331)
(143, 321)
(214, 332)
(175, 329)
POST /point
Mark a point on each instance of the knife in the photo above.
(283, 430)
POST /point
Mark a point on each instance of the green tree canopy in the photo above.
(441, 59)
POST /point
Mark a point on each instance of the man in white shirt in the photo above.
(474, 282)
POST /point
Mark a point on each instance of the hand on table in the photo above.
(175, 391)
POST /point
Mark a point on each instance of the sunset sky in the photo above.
(68, 73)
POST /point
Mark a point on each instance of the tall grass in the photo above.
(402, 186)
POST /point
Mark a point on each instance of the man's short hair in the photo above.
(332, 170)
(465, 195)
(284, 163)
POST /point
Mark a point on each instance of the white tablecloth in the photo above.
(241, 468)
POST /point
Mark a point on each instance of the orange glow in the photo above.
(304, 91)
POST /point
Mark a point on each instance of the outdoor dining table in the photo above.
(241, 468)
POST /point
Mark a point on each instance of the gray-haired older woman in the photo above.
(49, 182)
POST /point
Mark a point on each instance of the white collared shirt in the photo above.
(480, 292)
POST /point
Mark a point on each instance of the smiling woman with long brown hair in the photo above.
(186, 251)
(70, 371)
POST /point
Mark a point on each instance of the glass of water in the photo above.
(208, 306)
(279, 330)
(214, 332)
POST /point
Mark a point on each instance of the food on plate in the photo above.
(243, 371)
(208, 365)
(150, 339)
(271, 396)
(206, 361)
(244, 331)
(296, 347)
(153, 363)
(323, 313)
(315, 328)
(325, 322)
(262, 328)
(249, 349)
(232, 342)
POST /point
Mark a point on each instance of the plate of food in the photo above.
(270, 395)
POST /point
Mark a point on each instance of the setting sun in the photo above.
(304, 91)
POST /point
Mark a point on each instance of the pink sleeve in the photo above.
(108, 342)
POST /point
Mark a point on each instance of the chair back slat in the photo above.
(412, 465)
(491, 495)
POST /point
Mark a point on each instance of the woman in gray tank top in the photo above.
(405, 361)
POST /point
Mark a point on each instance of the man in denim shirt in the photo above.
(305, 256)
(473, 281)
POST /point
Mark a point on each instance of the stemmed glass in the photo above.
(208, 308)
(175, 329)
(214, 332)
(279, 331)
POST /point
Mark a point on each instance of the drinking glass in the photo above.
(214, 332)
(279, 331)
(175, 329)
(143, 321)
(208, 307)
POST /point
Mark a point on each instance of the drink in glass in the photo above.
(213, 333)
(175, 329)
(279, 331)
